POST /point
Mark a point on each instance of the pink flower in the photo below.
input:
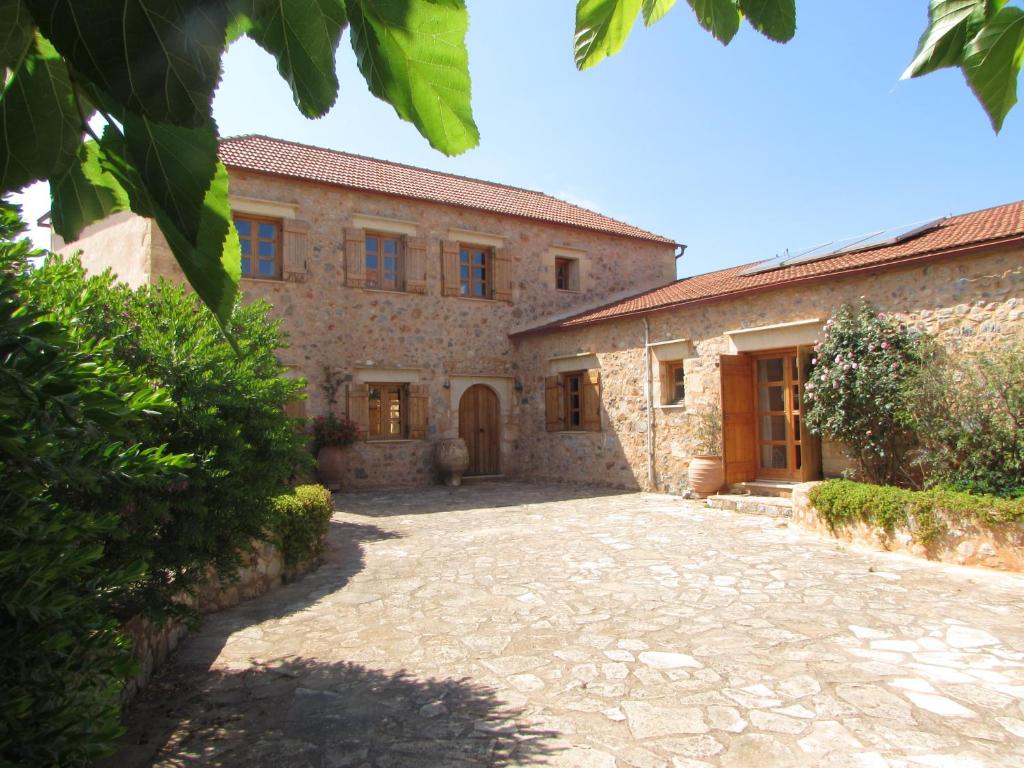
(871, 347)
(855, 366)
(885, 345)
(814, 361)
(881, 315)
(869, 433)
(846, 367)
(839, 358)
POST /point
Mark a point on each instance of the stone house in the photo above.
(740, 340)
(554, 340)
(398, 287)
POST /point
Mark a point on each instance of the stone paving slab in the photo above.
(512, 624)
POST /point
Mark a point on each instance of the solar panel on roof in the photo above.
(878, 239)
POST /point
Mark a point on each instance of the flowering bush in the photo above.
(333, 430)
(860, 390)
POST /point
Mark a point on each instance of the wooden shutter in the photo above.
(416, 265)
(419, 401)
(591, 385)
(739, 440)
(450, 268)
(295, 247)
(502, 275)
(553, 403)
(810, 444)
(359, 408)
(355, 257)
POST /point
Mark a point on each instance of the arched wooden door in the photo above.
(479, 427)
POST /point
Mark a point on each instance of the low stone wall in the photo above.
(152, 643)
(966, 543)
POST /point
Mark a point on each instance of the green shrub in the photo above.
(229, 414)
(971, 414)
(70, 464)
(841, 502)
(299, 521)
(860, 390)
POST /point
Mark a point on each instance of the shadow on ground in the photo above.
(481, 495)
(295, 712)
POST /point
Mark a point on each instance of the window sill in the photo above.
(479, 300)
(392, 292)
(568, 290)
(578, 432)
(271, 280)
(392, 441)
(671, 407)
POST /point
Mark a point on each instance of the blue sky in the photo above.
(740, 152)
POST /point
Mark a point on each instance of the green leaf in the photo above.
(413, 56)
(303, 36)
(992, 63)
(719, 17)
(39, 120)
(211, 260)
(602, 27)
(655, 10)
(951, 25)
(159, 58)
(16, 32)
(175, 164)
(775, 19)
(84, 193)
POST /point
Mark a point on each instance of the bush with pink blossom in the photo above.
(860, 391)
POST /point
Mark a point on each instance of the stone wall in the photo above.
(263, 571)
(121, 243)
(969, 303)
(426, 339)
(966, 543)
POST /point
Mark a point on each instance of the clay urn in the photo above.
(451, 458)
(330, 466)
(705, 474)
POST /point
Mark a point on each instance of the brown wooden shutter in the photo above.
(502, 275)
(416, 265)
(419, 401)
(739, 440)
(553, 403)
(810, 444)
(591, 384)
(295, 247)
(355, 257)
(450, 268)
(359, 408)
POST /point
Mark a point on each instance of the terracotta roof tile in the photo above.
(989, 226)
(299, 161)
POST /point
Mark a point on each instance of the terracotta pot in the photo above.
(706, 474)
(451, 458)
(331, 466)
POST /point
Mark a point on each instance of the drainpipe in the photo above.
(649, 397)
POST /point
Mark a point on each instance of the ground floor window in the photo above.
(673, 383)
(388, 416)
(572, 402)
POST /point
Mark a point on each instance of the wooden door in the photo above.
(810, 465)
(479, 427)
(778, 401)
(738, 438)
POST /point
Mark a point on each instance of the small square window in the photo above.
(567, 274)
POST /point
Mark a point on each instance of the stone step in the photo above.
(777, 488)
(769, 506)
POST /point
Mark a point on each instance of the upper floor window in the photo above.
(384, 262)
(261, 246)
(475, 264)
(567, 274)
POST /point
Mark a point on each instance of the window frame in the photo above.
(569, 409)
(670, 394)
(253, 238)
(567, 272)
(400, 261)
(382, 420)
(468, 283)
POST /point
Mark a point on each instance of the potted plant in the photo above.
(706, 473)
(331, 434)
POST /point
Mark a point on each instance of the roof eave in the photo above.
(994, 246)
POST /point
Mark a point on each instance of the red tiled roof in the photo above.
(300, 161)
(992, 226)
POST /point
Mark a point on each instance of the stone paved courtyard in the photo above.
(508, 624)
